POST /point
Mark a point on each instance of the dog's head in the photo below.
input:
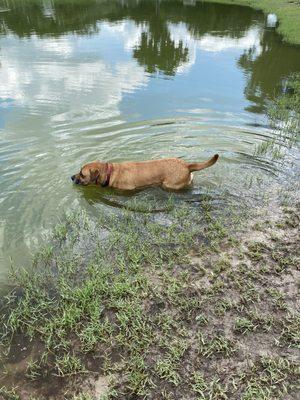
(91, 173)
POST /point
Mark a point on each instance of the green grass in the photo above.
(218, 344)
(70, 296)
(208, 390)
(244, 325)
(9, 394)
(268, 380)
(290, 333)
(130, 299)
(82, 396)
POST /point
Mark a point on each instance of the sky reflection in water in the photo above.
(112, 80)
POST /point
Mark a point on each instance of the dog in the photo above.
(169, 173)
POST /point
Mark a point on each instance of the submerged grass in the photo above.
(284, 117)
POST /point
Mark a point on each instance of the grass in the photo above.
(269, 381)
(10, 394)
(288, 13)
(208, 390)
(290, 333)
(129, 304)
(162, 305)
(244, 325)
(219, 344)
(82, 396)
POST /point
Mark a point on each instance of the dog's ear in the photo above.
(94, 174)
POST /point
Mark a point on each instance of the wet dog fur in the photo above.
(169, 173)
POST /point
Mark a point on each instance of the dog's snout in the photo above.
(75, 180)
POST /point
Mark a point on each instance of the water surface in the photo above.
(130, 80)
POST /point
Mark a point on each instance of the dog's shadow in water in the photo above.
(137, 200)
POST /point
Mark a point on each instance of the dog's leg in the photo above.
(173, 187)
(177, 184)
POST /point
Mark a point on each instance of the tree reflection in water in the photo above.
(157, 51)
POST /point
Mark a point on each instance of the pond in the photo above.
(131, 80)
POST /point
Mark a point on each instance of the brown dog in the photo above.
(170, 173)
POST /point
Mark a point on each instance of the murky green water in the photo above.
(130, 80)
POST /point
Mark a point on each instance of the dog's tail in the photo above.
(202, 165)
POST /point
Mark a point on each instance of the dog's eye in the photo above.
(81, 174)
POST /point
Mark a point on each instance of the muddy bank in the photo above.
(207, 310)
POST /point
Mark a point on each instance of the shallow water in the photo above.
(130, 80)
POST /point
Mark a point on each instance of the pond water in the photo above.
(130, 80)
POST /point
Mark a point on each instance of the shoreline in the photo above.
(288, 14)
(197, 302)
(176, 316)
